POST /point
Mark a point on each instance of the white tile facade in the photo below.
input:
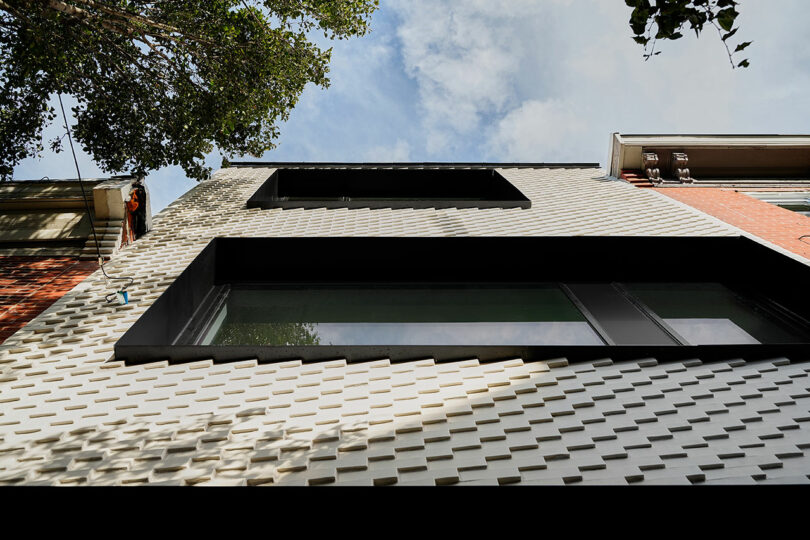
(71, 414)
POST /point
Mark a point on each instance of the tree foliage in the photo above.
(668, 19)
(162, 82)
(268, 333)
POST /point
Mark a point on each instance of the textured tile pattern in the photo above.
(71, 414)
(417, 423)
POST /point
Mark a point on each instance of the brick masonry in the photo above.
(779, 226)
(636, 178)
(782, 227)
(29, 285)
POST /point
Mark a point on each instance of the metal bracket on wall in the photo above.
(650, 166)
(680, 171)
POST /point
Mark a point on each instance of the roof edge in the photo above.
(626, 153)
(431, 164)
(721, 135)
(46, 179)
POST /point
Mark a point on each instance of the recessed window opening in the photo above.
(387, 188)
(449, 298)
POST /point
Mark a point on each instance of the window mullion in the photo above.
(679, 339)
(592, 321)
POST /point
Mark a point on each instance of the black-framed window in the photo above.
(489, 298)
(387, 188)
(399, 314)
(489, 314)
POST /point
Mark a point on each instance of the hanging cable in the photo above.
(109, 298)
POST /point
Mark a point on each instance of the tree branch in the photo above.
(128, 16)
(725, 44)
(120, 22)
(13, 11)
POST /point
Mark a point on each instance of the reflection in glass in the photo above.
(400, 315)
(711, 332)
(712, 314)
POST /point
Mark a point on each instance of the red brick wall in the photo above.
(637, 178)
(29, 285)
(768, 221)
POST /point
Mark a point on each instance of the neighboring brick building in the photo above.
(758, 183)
(785, 228)
(46, 242)
(546, 370)
(29, 285)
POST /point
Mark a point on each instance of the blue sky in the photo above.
(523, 80)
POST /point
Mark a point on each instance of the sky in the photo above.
(522, 80)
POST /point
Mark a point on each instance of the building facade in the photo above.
(101, 394)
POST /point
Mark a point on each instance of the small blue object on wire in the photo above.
(118, 297)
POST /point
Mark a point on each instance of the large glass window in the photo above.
(712, 314)
(399, 315)
(358, 299)
(469, 314)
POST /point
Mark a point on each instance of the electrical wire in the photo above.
(109, 297)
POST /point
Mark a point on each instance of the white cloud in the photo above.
(465, 59)
(353, 71)
(549, 131)
(400, 151)
(527, 80)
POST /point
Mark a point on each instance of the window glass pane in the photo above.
(711, 331)
(400, 315)
(798, 202)
(712, 314)
(800, 208)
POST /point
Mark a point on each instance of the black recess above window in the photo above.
(387, 188)
(448, 298)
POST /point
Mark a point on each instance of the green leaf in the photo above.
(744, 64)
(726, 18)
(667, 19)
(742, 46)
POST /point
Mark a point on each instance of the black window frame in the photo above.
(387, 187)
(165, 331)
